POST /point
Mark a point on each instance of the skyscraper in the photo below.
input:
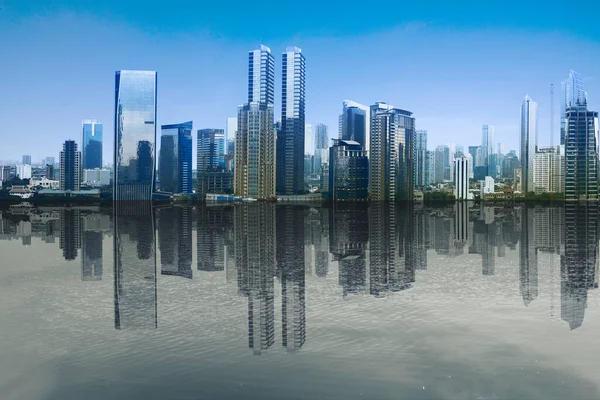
(528, 142)
(421, 158)
(487, 141)
(92, 144)
(70, 166)
(348, 171)
(391, 164)
(321, 147)
(572, 95)
(581, 153)
(254, 171)
(261, 76)
(309, 147)
(290, 140)
(461, 177)
(211, 162)
(354, 123)
(175, 160)
(26, 159)
(135, 135)
(439, 166)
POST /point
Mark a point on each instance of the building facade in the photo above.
(572, 95)
(461, 177)
(96, 177)
(528, 142)
(421, 158)
(92, 144)
(348, 171)
(175, 159)
(548, 170)
(214, 174)
(290, 140)
(321, 147)
(581, 153)
(70, 166)
(355, 123)
(487, 143)
(135, 135)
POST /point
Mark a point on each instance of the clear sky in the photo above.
(456, 66)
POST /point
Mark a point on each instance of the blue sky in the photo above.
(455, 66)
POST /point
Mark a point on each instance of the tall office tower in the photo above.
(461, 178)
(528, 257)
(290, 257)
(214, 173)
(309, 147)
(290, 140)
(134, 245)
(175, 158)
(528, 142)
(578, 260)
(92, 144)
(487, 141)
(354, 123)
(391, 164)
(321, 147)
(348, 171)
(91, 248)
(26, 159)
(430, 167)
(254, 170)
(438, 175)
(572, 95)
(421, 158)
(261, 76)
(547, 170)
(255, 259)
(135, 135)
(70, 166)
(174, 228)
(581, 154)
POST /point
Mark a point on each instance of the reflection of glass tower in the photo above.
(578, 263)
(290, 265)
(175, 169)
(70, 233)
(175, 241)
(254, 231)
(92, 144)
(135, 135)
(528, 257)
(91, 252)
(135, 267)
(214, 223)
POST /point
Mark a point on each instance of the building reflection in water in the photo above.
(135, 266)
(214, 238)
(70, 233)
(175, 240)
(91, 226)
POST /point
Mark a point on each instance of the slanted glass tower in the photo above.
(135, 135)
(175, 161)
(92, 144)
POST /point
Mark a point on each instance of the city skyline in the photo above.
(436, 105)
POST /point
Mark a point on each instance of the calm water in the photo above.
(263, 301)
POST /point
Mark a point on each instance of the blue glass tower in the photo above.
(92, 144)
(175, 169)
(135, 135)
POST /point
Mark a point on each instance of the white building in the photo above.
(44, 183)
(548, 170)
(96, 177)
(24, 171)
(461, 178)
(487, 185)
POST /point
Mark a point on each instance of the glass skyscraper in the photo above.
(355, 123)
(581, 153)
(92, 144)
(261, 75)
(528, 142)
(487, 142)
(421, 158)
(572, 95)
(290, 140)
(175, 161)
(321, 147)
(135, 135)
(214, 176)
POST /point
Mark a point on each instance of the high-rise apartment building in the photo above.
(572, 95)
(175, 159)
(430, 167)
(70, 166)
(135, 135)
(391, 164)
(290, 140)
(461, 177)
(581, 153)
(528, 142)
(440, 166)
(421, 158)
(348, 171)
(321, 147)
(91, 143)
(547, 170)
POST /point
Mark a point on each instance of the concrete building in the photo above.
(96, 177)
(548, 170)
(24, 171)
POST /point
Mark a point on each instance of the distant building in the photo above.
(421, 158)
(96, 177)
(528, 142)
(50, 171)
(518, 180)
(348, 171)
(175, 161)
(26, 160)
(70, 166)
(321, 148)
(487, 185)
(461, 178)
(5, 172)
(44, 183)
(24, 171)
(92, 144)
